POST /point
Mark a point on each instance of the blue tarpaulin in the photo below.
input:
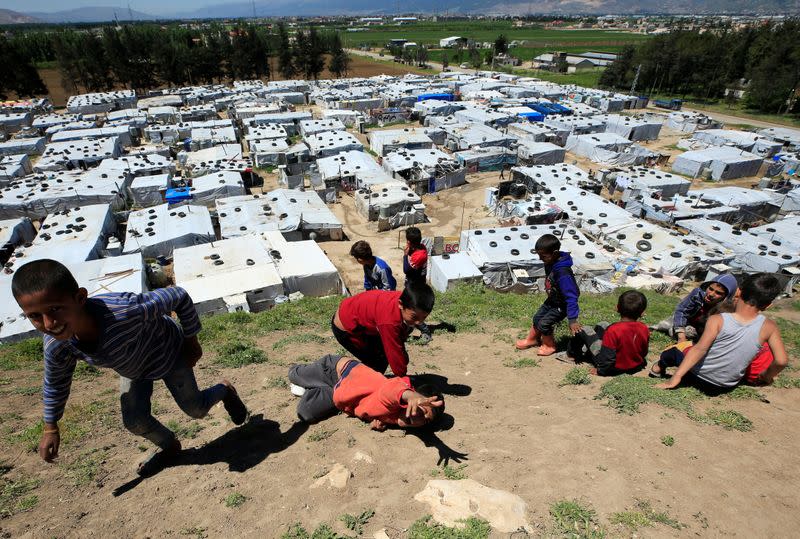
(532, 116)
(438, 97)
(178, 194)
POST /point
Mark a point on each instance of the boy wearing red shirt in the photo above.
(374, 325)
(620, 348)
(334, 383)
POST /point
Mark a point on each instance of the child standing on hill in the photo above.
(334, 383)
(620, 348)
(562, 297)
(132, 334)
(719, 360)
(377, 273)
(415, 267)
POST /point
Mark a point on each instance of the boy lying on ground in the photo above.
(336, 384)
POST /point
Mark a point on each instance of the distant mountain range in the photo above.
(265, 8)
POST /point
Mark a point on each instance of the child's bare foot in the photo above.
(524, 344)
(546, 350)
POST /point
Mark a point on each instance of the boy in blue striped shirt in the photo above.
(132, 334)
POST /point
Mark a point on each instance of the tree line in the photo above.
(144, 56)
(764, 61)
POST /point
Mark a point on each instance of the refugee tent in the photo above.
(633, 128)
(449, 270)
(27, 146)
(150, 190)
(157, 231)
(721, 162)
(540, 153)
(14, 232)
(302, 266)
(391, 140)
(385, 200)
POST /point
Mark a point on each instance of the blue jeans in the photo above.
(135, 402)
(547, 317)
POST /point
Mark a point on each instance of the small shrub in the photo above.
(235, 500)
(239, 353)
(668, 440)
(277, 382)
(356, 523)
(627, 393)
(27, 390)
(473, 528)
(786, 382)
(320, 435)
(575, 520)
(455, 472)
(77, 422)
(730, 420)
(576, 376)
(323, 531)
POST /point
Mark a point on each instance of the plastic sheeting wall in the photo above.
(159, 230)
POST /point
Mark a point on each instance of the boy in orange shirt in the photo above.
(336, 384)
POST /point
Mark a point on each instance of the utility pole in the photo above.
(254, 9)
(636, 79)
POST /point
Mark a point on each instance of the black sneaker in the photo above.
(234, 405)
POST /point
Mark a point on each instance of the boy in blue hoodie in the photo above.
(562, 297)
(690, 316)
(377, 273)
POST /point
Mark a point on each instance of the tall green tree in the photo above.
(20, 76)
(340, 60)
(316, 59)
(286, 64)
(501, 44)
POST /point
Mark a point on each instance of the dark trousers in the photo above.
(318, 379)
(673, 357)
(587, 343)
(368, 349)
(547, 317)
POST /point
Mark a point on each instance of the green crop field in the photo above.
(429, 33)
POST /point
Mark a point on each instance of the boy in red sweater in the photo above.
(336, 384)
(374, 325)
(620, 348)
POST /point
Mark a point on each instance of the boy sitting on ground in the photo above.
(377, 273)
(619, 348)
(374, 326)
(132, 334)
(336, 384)
(562, 297)
(718, 362)
(691, 314)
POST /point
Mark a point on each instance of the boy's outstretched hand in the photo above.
(672, 383)
(192, 351)
(378, 425)
(48, 446)
(418, 403)
(575, 328)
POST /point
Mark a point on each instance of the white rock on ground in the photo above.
(381, 534)
(360, 456)
(451, 501)
(336, 478)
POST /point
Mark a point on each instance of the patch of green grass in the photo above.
(22, 355)
(323, 531)
(745, 393)
(627, 393)
(27, 390)
(238, 353)
(644, 516)
(85, 467)
(197, 532)
(15, 495)
(455, 473)
(576, 376)
(356, 523)
(321, 434)
(785, 382)
(5, 381)
(521, 363)
(235, 500)
(668, 440)
(730, 420)
(575, 520)
(78, 420)
(184, 431)
(84, 370)
(472, 528)
(298, 338)
(277, 382)
(431, 367)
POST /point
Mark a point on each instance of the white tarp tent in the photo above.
(157, 231)
(302, 266)
(150, 190)
(723, 162)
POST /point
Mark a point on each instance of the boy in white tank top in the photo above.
(731, 340)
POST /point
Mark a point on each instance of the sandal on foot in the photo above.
(158, 459)
(234, 406)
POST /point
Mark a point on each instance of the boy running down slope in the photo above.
(562, 297)
(131, 334)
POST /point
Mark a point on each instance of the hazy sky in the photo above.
(146, 6)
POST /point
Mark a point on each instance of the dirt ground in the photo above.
(516, 430)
